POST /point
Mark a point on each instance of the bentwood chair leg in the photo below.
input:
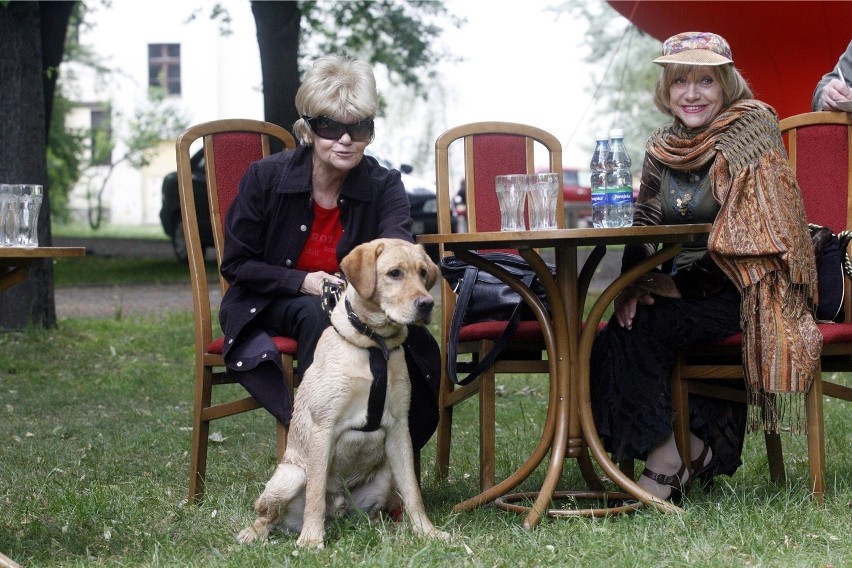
(816, 437)
(280, 439)
(442, 439)
(198, 461)
(774, 452)
(775, 455)
(487, 436)
(417, 466)
(680, 403)
(200, 434)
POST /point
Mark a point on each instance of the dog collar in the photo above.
(364, 329)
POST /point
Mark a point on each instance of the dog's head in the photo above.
(394, 277)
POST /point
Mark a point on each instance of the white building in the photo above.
(220, 77)
(215, 76)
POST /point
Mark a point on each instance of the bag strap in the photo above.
(464, 295)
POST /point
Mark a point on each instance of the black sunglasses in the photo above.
(330, 129)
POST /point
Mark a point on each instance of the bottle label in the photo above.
(622, 194)
(598, 198)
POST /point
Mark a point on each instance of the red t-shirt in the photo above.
(320, 250)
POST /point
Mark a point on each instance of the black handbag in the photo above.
(831, 263)
(483, 297)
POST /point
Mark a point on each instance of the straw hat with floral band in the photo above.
(696, 48)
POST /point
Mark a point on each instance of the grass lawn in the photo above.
(94, 442)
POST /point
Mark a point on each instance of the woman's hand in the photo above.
(835, 91)
(626, 302)
(640, 292)
(312, 284)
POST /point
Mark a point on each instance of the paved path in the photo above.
(122, 301)
(115, 301)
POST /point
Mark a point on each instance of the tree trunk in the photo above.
(278, 26)
(25, 28)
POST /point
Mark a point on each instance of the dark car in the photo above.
(421, 196)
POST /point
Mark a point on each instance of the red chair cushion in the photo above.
(831, 333)
(835, 333)
(285, 345)
(734, 340)
(527, 331)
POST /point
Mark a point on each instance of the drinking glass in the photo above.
(542, 197)
(511, 194)
(29, 204)
(9, 222)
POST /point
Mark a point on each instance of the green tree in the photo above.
(67, 146)
(155, 121)
(32, 39)
(398, 37)
(624, 84)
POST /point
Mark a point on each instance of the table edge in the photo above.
(41, 252)
(573, 237)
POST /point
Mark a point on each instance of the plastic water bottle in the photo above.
(598, 179)
(619, 182)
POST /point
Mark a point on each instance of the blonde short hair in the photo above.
(339, 88)
(734, 85)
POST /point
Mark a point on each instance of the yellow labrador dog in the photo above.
(349, 446)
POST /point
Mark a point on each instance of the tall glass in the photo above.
(511, 195)
(29, 205)
(9, 222)
(542, 197)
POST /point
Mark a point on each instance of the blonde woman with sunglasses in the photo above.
(297, 214)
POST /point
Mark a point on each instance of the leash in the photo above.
(378, 356)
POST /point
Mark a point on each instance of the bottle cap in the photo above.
(616, 133)
(601, 135)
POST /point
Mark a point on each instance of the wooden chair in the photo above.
(229, 147)
(489, 149)
(820, 153)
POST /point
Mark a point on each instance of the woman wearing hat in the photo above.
(720, 161)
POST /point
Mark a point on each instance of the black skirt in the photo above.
(631, 384)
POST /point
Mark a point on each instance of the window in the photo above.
(101, 142)
(164, 67)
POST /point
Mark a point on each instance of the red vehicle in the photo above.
(577, 194)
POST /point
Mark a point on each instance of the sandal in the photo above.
(674, 481)
(701, 471)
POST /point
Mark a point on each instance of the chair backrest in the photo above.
(230, 146)
(819, 146)
(491, 149)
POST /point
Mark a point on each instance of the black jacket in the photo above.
(270, 220)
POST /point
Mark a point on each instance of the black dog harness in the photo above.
(378, 358)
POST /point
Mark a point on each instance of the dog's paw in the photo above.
(306, 541)
(439, 534)
(249, 535)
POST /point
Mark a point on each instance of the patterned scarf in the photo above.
(760, 240)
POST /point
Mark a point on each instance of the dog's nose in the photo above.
(424, 304)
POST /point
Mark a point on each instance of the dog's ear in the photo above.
(433, 273)
(359, 267)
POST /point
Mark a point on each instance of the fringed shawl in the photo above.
(760, 240)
